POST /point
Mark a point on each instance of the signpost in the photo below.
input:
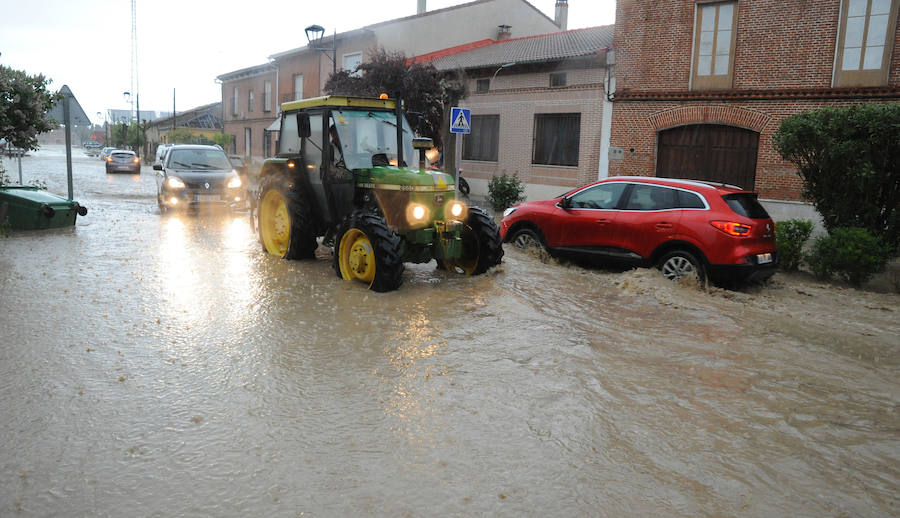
(460, 123)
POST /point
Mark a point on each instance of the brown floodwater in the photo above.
(164, 366)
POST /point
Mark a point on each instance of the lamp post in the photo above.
(127, 96)
(314, 35)
(501, 67)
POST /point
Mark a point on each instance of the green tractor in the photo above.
(341, 174)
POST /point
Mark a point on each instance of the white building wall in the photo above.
(450, 27)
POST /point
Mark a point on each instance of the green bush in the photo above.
(849, 160)
(505, 191)
(791, 236)
(851, 253)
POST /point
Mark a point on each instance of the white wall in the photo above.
(452, 27)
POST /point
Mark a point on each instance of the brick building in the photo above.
(701, 87)
(539, 109)
(302, 72)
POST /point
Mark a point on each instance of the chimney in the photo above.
(420, 7)
(504, 32)
(562, 14)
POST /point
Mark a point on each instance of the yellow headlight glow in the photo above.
(234, 183)
(456, 210)
(418, 212)
(175, 183)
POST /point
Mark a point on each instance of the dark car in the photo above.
(192, 175)
(683, 227)
(123, 161)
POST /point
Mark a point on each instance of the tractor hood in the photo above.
(404, 179)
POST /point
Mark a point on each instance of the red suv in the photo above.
(680, 226)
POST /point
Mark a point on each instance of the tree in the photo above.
(24, 106)
(849, 160)
(222, 139)
(423, 88)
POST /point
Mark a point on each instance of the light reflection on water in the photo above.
(183, 371)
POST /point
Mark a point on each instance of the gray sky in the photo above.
(184, 45)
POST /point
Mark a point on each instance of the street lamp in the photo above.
(501, 67)
(314, 35)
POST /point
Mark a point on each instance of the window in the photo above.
(651, 197)
(864, 45)
(247, 141)
(250, 101)
(713, 59)
(557, 79)
(689, 200)
(267, 97)
(556, 137)
(603, 196)
(351, 61)
(234, 102)
(484, 141)
(482, 86)
(298, 87)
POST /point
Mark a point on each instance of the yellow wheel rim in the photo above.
(275, 223)
(357, 258)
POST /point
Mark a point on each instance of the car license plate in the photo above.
(763, 258)
(208, 197)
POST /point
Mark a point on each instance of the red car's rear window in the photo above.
(746, 205)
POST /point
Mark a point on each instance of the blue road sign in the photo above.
(460, 120)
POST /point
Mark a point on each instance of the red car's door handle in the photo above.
(602, 221)
(662, 225)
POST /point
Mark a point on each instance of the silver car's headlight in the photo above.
(509, 211)
(234, 183)
(175, 183)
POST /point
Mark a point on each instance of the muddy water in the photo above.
(163, 366)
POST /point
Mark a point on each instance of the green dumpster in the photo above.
(30, 208)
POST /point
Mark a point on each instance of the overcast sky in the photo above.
(184, 44)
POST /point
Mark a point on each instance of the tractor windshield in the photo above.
(369, 138)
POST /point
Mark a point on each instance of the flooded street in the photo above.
(164, 366)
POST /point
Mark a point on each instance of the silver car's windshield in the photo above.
(200, 159)
(364, 135)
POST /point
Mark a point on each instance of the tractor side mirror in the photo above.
(303, 125)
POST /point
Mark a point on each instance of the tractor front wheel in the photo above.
(284, 224)
(482, 246)
(368, 251)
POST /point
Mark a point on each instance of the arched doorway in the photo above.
(711, 152)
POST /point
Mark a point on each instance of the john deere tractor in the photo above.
(342, 174)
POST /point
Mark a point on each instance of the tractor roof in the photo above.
(339, 101)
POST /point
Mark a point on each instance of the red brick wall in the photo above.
(782, 46)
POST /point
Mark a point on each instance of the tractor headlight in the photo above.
(455, 210)
(175, 183)
(416, 213)
(234, 183)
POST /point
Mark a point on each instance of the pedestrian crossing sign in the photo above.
(460, 120)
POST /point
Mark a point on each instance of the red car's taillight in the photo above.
(731, 228)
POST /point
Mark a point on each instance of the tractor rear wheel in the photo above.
(368, 251)
(482, 246)
(284, 221)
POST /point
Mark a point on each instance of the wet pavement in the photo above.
(164, 366)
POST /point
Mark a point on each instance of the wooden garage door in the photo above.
(709, 152)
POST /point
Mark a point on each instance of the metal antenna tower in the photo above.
(134, 59)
